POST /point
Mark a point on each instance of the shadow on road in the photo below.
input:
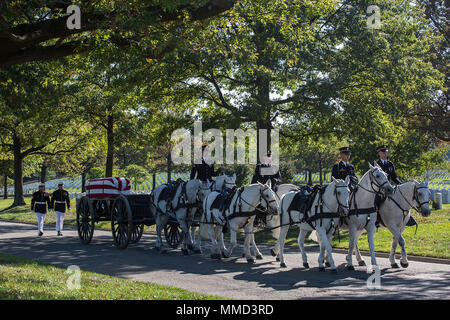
(103, 257)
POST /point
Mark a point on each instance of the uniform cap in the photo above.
(60, 183)
(383, 148)
(346, 150)
(41, 184)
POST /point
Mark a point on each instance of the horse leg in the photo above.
(213, 243)
(370, 234)
(219, 236)
(325, 245)
(233, 242)
(404, 259)
(351, 243)
(356, 250)
(161, 221)
(248, 230)
(301, 245)
(258, 254)
(281, 241)
(185, 236)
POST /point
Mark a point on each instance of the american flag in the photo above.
(107, 187)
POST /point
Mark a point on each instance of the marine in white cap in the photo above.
(39, 204)
(60, 198)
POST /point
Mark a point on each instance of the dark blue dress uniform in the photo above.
(203, 171)
(341, 171)
(266, 171)
(40, 201)
(389, 168)
(60, 198)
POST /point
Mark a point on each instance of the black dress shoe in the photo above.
(41, 233)
(59, 234)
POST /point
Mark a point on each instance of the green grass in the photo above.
(432, 238)
(26, 279)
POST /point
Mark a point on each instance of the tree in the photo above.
(33, 120)
(37, 31)
(136, 174)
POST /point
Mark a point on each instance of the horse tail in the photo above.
(313, 236)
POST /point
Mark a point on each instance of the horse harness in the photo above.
(318, 191)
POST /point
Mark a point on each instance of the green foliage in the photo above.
(136, 174)
(95, 172)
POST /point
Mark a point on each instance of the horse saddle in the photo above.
(169, 191)
(223, 199)
(300, 202)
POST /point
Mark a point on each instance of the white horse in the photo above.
(205, 189)
(240, 213)
(395, 214)
(334, 199)
(176, 207)
(362, 214)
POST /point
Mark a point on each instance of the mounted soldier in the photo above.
(204, 171)
(266, 170)
(387, 166)
(60, 198)
(39, 203)
(344, 168)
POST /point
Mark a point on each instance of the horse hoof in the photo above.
(327, 264)
(190, 247)
(243, 255)
(334, 271)
(361, 263)
(306, 265)
(277, 258)
(224, 255)
(251, 260)
(197, 251)
(404, 265)
(163, 250)
(185, 252)
(350, 268)
(283, 265)
(321, 269)
(394, 266)
(259, 257)
(215, 256)
(272, 252)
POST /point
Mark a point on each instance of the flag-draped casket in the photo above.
(107, 187)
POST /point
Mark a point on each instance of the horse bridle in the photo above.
(340, 205)
(374, 182)
(415, 198)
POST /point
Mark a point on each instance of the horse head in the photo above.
(379, 179)
(269, 197)
(422, 197)
(342, 194)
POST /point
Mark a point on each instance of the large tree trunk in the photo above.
(5, 187)
(18, 175)
(43, 172)
(110, 138)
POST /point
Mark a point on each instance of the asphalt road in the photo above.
(233, 277)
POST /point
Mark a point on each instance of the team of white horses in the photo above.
(331, 207)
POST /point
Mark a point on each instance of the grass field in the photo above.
(25, 279)
(432, 238)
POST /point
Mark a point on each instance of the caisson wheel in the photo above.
(85, 220)
(172, 232)
(121, 222)
(136, 233)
